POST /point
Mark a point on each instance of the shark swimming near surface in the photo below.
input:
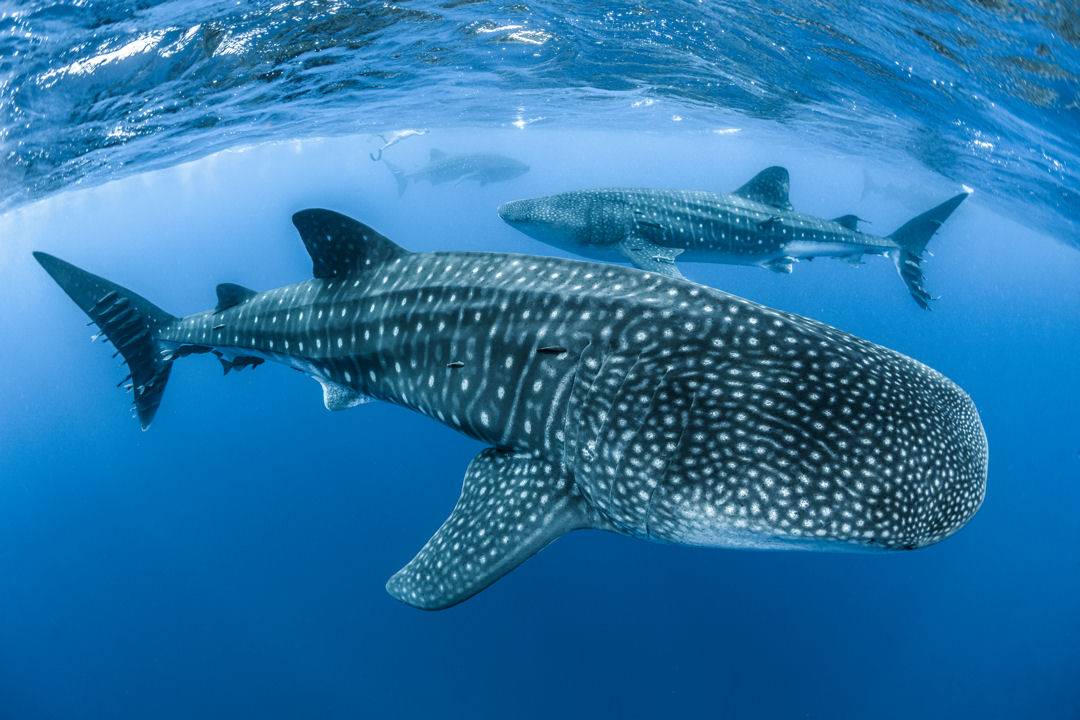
(755, 225)
(608, 398)
(442, 168)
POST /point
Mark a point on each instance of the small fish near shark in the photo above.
(608, 398)
(755, 225)
(482, 168)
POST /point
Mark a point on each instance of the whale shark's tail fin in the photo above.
(911, 239)
(400, 177)
(130, 322)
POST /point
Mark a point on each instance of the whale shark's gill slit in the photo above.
(627, 447)
(609, 410)
(559, 406)
(572, 409)
(605, 353)
(519, 390)
(661, 482)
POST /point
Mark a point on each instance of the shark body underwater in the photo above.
(755, 225)
(610, 398)
(483, 168)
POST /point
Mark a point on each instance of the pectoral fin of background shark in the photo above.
(340, 397)
(651, 257)
(781, 264)
(510, 507)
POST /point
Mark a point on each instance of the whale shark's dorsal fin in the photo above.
(436, 154)
(510, 507)
(230, 295)
(770, 187)
(341, 246)
(851, 222)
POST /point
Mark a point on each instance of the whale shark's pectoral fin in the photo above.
(649, 256)
(340, 397)
(510, 507)
(783, 264)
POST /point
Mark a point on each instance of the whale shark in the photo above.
(442, 168)
(755, 225)
(607, 398)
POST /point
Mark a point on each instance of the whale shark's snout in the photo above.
(946, 493)
(517, 211)
(920, 474)
(558, 220)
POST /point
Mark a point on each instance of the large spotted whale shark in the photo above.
(755, 225)
(609, 398)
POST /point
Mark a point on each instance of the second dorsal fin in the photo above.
(851, 222)
(341, 246)
(770, 187)
(230, 295)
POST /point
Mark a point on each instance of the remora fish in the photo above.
(441, 168)
(755, 225)
(609, 398)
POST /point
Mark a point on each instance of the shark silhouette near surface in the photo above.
(609, 398)
(482, 168)
(755, 225)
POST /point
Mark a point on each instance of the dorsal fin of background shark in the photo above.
(607, 397)
(769, 187)
(754, 225)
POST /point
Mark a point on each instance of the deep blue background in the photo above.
(230, 562)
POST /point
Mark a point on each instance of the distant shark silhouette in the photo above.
(442, 168)
(755, 225)
(609, 398)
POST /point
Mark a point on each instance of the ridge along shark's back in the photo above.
(754, 225)
(610, 398)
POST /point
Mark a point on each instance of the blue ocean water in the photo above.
(230, 561)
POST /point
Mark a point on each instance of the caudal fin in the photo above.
(129, 321)
(911, 239)
(400, 178)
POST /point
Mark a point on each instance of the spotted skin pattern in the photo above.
(483, 168)
(619, 399)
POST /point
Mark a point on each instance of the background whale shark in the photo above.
(755, 225)
(482, 168)
(608, 398)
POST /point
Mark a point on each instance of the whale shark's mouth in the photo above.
(517, 212)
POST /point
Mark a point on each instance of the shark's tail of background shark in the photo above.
(912, 237)
(130, 322)
(400, 177)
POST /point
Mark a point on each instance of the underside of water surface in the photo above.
(984, 94)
